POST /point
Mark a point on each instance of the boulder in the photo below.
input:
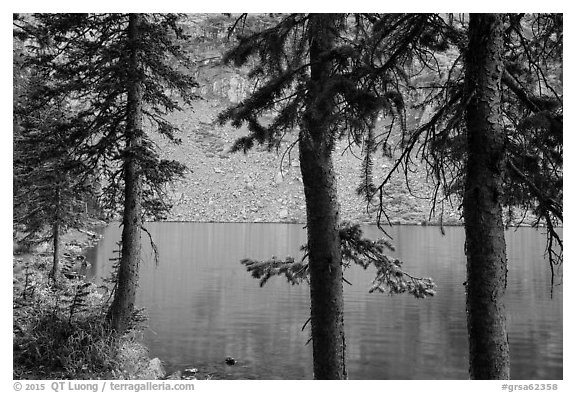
(155, 370)
(283, 214)
(279, 178)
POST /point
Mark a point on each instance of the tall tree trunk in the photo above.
(325, 260)
(56, 251)
(56, 239)
(125, 296)
(485, 244)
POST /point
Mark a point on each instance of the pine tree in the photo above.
(116, 70)
(49, 190)
(304, 63)
(493, 138)
(318, 74)
(482, 202)
(125, 296)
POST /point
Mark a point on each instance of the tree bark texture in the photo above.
(318, 176)
(56, 251)
(124, 299)
(56, 237)
(485, 244)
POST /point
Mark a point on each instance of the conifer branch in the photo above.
(548, 202)
(153, 245)
(390, 277)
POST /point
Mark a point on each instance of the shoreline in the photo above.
(138, 364)
(129, 359)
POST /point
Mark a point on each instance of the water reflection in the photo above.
(204, 306)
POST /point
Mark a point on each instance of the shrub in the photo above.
(61, 331)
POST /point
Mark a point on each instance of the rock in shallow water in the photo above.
(155, 370)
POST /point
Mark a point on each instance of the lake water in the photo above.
(203, 306)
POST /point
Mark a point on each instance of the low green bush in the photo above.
(60, 331)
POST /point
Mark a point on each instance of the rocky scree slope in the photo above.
(264, 186)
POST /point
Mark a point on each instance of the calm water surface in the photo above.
(204, 306)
